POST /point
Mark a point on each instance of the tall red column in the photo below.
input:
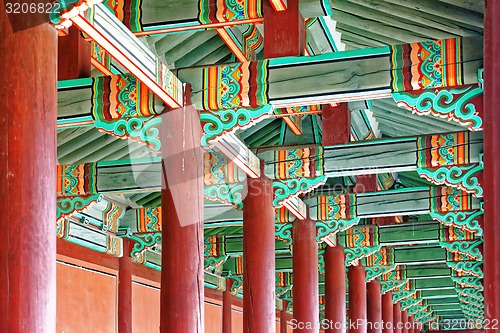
(357, 299)
(73, 57)
(397, 318)
(374, 303)
(226, 307)
(182, 293)
(285, 31)
(387, 313)
(305, 275)
(284, 318)
(411, 324)
(491, 186)
(404, 321)
(28, 100)
(335, 289)
(258, 257)
(336, 128)
(125, 290)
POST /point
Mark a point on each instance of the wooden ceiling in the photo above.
(428, 280)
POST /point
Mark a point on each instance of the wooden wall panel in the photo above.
(86, 300)
(213, 316)
(237, 320)
(145, 308)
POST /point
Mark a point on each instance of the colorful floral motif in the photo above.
(214, 11)
(77, 179)
(220, 170)
(443, 150)
(424, 65)
(121, 96)
(242, 85)
(148, 219)
(445, 199)
(298, 163)
(340, 207)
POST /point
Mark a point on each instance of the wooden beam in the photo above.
(406, 201)
(106, 30)
(292, 81)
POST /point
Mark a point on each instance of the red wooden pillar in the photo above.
(182, 293)
(404, 321)
(226, 307)
(387, 313)
(357, 299)
(284, 318)
(28, 100)
(335, 289)
(336, 128)
(125, 290)
(410, 323)
(285, 31)
(374, 303)
(397, 318)
(258, 257)
(73, 56)
(335, 124)
(305, 275)
(366, 183)
(491, 186)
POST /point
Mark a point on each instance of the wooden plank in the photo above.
(401, 34)
(426, 19)
(389, 19)
(445, 11)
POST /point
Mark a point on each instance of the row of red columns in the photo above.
(27, 260)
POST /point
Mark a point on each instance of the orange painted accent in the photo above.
(293, 125)
(235, 48)
(100, 67)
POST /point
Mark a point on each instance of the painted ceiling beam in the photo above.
(293, 81)
(153, 17)
(108, 177)
(377, 156)
(405, 201)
